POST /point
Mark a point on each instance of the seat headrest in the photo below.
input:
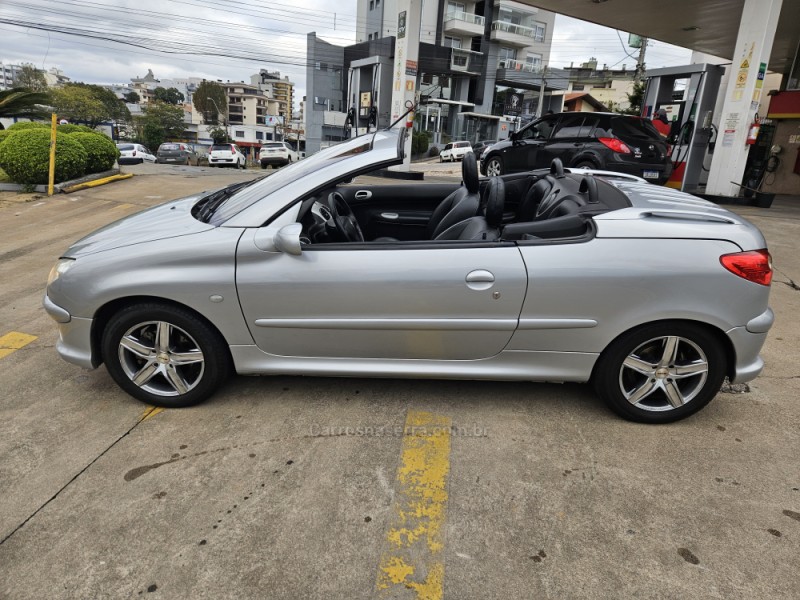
(536, 193)
(495, 201)
(469, 173)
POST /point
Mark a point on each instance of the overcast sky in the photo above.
(241, 38)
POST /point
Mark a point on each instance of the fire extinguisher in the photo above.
(752, 134)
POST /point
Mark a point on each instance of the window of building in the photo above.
(369, 37)
(317, 65)
(456, 7)
(539, 31)
(451, 42)
(507, 53)
(377, 3)
(376, 36)
(372, 4)
(259, 135)
(534, 60)
(239, 134)
(578, 87)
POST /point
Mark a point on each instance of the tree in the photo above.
(30, 78)
(218, 133)
(132, 98)
(161, 121)
(635, 99)
(22, 103)
(210, 100)
(89, 104)
(169, 95)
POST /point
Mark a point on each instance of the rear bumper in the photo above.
(638, 169)
(74, 343)
(275, 160)
(130, 160)
(747, 342)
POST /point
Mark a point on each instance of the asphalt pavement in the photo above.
(293, 487)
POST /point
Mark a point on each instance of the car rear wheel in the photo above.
(661, 373)
(164, 356)
(585, 164)
(494, 168)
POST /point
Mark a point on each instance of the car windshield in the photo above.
(634, 127)
(225, 148)
(289, 174)
(169, 147)
(123, 147)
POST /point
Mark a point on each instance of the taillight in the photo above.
(614, 144)
(755, 266)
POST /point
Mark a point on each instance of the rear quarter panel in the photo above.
(624, 283)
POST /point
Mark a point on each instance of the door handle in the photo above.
(480, 279)
(363, 194)
(390, 216)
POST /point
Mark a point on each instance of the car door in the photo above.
(523, 154)
(565, 142)
(433, 301)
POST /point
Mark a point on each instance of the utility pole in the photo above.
(637, 77)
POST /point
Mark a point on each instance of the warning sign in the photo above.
(741, 78)
(745, 64)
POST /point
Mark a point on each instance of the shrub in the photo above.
(3, 135)
(102, 152)
(24, 125)
(434, 151)
(70, 128)
(25, 157)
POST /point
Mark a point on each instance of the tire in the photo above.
(207, 365)
(585, 164)
(494, 167)
(686, 361)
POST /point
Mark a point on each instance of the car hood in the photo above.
(172, 219)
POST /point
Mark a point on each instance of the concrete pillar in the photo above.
(743, 95)
(406, 57)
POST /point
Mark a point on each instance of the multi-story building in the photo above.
(8, 73)
(609, 86)
(277, 88)
(473, 57)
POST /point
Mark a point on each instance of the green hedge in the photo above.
(25, 156)
(102, 151)
(70, 128)
(24, 125)
(4, 134)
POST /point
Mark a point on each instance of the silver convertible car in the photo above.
(652, 295)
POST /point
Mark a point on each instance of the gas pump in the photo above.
(368, 108)
(689, 95)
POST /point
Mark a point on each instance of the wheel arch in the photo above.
(103, 315)
(719, 334)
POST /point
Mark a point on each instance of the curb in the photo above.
(96, 182)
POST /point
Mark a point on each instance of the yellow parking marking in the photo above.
(151, 411)
(96, 182)
(121, 206)
(13, 341)
(416, 533)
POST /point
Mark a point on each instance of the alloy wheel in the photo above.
(161, 358)
(493, 168)
(663, 373)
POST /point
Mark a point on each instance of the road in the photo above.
(291, 487)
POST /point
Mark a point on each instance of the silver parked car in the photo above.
(652, 295)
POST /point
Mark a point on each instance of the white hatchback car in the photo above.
(226, 155)
(276, 154)
(133, 154)
(455, 151)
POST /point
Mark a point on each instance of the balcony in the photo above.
(513, 35)
(463, 23)
(466, 61)
(517, 65)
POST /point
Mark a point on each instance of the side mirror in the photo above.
(288, 239)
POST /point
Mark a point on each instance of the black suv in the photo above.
(586, 140)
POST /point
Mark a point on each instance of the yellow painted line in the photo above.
(151, 412)
(13, 341)
(123, 206)
(96, 182)
(415, 538)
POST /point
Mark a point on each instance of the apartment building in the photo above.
(278, 88)
(609, 86)
(8, 73)
(473, 55)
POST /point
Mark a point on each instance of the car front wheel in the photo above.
(164, 356)
(494, 168)
(661, 373)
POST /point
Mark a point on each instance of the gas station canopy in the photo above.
(708, 26)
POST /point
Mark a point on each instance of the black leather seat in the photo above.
(536, 193)
(487, 226)
(461, 204)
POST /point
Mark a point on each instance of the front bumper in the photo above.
(74, 335)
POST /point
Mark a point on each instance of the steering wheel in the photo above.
(344, 219)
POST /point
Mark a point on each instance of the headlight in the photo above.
(61, 267)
